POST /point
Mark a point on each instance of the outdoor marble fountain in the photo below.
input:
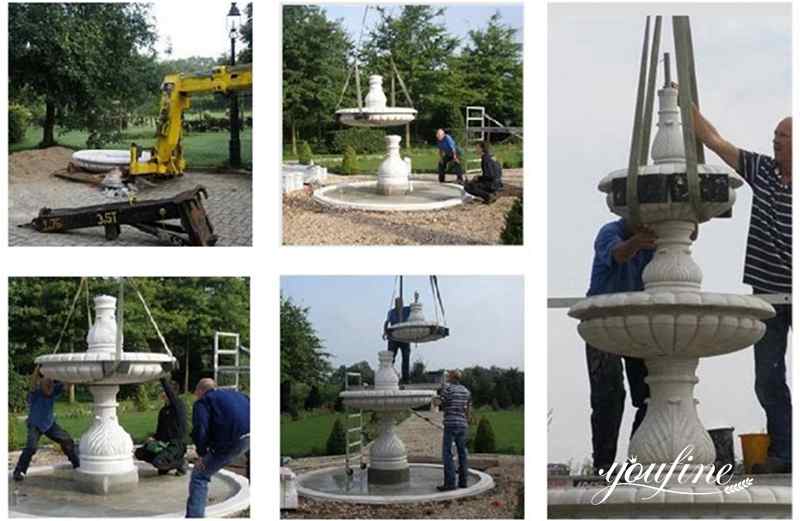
(107, 466)
(389, 477)
(671, 325)
(393, 190)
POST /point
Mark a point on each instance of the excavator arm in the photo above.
(166, 157)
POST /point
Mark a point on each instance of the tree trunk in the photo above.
(408, 136)
(48, 136)
(294, 139)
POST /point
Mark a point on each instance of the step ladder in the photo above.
(223, 369)
(354, 427)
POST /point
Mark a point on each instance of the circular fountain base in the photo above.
(388, 476)
(51, 491)
(333, 484)
(364, 195)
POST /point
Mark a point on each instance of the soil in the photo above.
(32, 165)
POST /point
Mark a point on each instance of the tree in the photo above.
(420, 46)
(337, 440)
(491, 70)
(484, 437)
(246, 35)
(315, 52)
(88, 62)
(313, 400)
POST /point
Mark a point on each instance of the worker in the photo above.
(41, 420)
(395, 346)
(448, 156)
(166, 449)
(768, 269)
(490, 181)
(455, 402)
(221, 434)
(620, 255)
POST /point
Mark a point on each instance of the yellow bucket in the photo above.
(754, 449)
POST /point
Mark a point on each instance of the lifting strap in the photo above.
(69, 315)
(150, 316)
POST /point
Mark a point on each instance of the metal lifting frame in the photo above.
(353, 428)
(643, 114)
(477, 114)
(236, 368)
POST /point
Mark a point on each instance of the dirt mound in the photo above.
(35, 164)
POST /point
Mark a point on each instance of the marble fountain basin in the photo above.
(97, 160)
(656, 324)
(376, 117)
(387, 400)
(364, 195)
(93, 368)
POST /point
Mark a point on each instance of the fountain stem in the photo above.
(673, 267)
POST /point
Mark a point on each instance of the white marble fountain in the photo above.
(390, 478)
(671, 325)
(106, 450)
(393, 190)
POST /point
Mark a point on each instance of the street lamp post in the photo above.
(234, 146)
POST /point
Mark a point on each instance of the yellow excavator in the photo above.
(166, 157)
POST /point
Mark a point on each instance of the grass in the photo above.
(202, 149)
(423, 160)
(508, 427)
(76, 418)
(309, 435)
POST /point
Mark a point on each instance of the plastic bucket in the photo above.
(723, 443)
(754, 449)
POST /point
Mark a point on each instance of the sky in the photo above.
(199, 30)
(458, 19)
(743, 63)
(484, 314)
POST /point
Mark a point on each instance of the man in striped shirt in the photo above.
(455, 403)
(768, 269)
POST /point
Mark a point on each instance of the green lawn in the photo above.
(423, 160)
(203, 149)
(306, 436)
(508, 427)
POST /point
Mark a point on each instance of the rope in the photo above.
(150, 316)
(69, 315)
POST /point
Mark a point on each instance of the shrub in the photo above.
(349, 161)
(363, 140)
(18, 387)
(19, 119)
(313, 400)
(304, 157)
(297, 397)
(484, 438)
(14, 440)
(519, 510)
(456, 124)
(512, 233)
(337, 440)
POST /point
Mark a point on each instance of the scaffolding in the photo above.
(478, 124)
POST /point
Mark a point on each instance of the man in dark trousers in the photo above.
(448, 156)
(41, 420)
(167, 448)
(768, 269)
(393, 317)
(620, 256)
(490, 181)
(221, 433)
(455, 404)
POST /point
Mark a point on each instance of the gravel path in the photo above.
(32, 187)
(306, 222)
(422, 439)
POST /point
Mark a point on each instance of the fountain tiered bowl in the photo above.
(393, 190)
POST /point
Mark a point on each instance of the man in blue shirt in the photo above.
(768, 269)
(394, 346)
(41, 420)
(620, 256)
(221, 433)
(448, 155)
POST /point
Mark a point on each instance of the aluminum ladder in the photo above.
(236, 369)
(352, 428)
